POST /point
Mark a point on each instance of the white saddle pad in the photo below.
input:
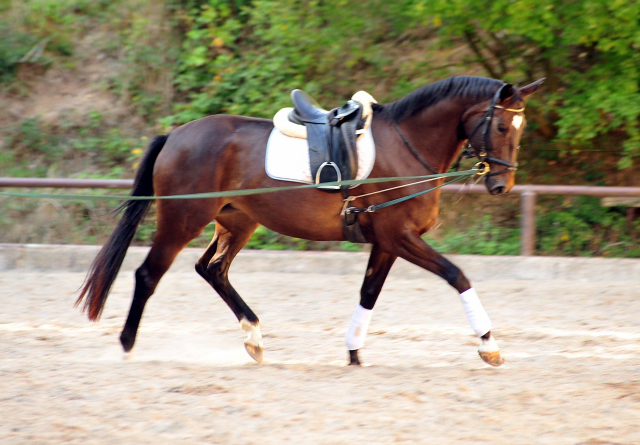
(288, 158)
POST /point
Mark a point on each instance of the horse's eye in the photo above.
(502, 129)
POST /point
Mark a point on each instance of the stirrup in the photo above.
(339, 175)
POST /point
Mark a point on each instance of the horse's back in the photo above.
(202, 153)
(218, 130)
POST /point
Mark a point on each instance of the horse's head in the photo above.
(494, 131)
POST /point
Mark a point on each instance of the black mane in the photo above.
(474, 88)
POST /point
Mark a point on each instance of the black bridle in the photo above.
(483, 155)
(470, 151)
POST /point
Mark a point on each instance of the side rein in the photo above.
(483, 155)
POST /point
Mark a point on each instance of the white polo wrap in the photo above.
(357, 331)
(478, 318)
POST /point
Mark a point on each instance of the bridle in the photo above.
(483, 154)
(483, 167)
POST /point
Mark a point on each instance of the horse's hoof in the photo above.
(493, 358)
(254, 351)
(127, 341)
(353, 358)
(253, 342)
(490, 352)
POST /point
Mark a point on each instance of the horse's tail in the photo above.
(107, 263)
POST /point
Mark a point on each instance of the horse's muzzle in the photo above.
(497, 185)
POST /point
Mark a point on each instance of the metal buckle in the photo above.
(482, 168)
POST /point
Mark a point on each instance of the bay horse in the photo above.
(422, 133)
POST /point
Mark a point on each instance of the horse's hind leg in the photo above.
(178, 223)
(232, 233)
(377, 270)
(147, 277)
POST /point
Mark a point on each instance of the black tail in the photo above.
(105, 266)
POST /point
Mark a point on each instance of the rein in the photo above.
(242, 192)
(346, 210)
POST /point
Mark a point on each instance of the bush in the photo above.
(13, 45)
(483, 238)
(581, 226)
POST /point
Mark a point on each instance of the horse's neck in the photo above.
(435, 134)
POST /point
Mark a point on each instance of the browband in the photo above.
(515, 110)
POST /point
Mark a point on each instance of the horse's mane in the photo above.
(473, 88)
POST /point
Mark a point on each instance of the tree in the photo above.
(588, 51)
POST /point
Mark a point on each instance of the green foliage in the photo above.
(482, 238)
(583, 227)
(52, 24)
(588, 50)
(139, 37)
(577, 226)
(47, 16)
(243, 57)
(33, 148)
(50, 221)
(149, 54)
(265, 239)
(13, 45)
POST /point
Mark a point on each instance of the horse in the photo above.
(422, 133)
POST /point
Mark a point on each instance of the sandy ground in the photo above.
(572, 374)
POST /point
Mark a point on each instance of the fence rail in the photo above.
(528, 195)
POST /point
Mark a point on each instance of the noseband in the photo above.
(483, 155)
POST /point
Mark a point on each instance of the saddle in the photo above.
(331, 135)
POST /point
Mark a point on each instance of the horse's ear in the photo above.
(531, 88)
(506, 91)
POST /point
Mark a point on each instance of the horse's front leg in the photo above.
(378, 268)
(413, 249)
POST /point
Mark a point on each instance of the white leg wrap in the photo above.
(478, 318)
(357, 331)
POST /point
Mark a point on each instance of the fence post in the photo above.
(528, 223)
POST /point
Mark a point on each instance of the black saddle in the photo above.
(331, 136)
